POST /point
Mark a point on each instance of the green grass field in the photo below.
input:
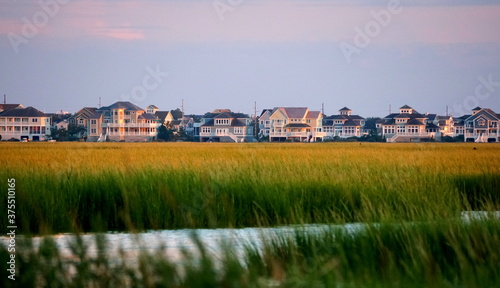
(64, 187)
(409, 195)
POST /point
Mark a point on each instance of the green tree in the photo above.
(165, 133)
(75, 130)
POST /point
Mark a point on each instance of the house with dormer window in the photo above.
(222, 125)
(482, 126)
(343, 125)
(295, 123)
(121, 121)
(265, 122)
(406, 126)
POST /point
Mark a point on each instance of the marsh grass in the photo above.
(68, 187)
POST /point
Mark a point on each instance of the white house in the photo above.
(226, 126)
(294, 123)
(24, 123)
(343, 125)
(406, 126)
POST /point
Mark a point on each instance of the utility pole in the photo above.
(323, 108)
(182, 107)
(255, 119)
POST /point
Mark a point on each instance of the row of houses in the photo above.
(125, 121)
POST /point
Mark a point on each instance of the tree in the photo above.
(165, 134)
(371, 125)
(75, 130)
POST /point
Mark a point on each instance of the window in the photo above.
(205, 130)
(308, 121)
(127, 113)
(34, 120)
(80, 121)
(481, 122)
(93, 131)
(221, 121)
(93, 121)
(238, 130)
(220, 131)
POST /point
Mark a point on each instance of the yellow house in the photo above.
(295, 123)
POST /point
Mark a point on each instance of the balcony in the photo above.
(297, 134)
(481, 134)
(135, 133)
(130, 125)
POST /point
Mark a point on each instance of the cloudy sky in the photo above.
(367, 55)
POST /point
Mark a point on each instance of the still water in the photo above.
(127, 246)
(173, 242)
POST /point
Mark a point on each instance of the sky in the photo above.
(372, 56)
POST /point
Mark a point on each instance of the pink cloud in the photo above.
(166, 22)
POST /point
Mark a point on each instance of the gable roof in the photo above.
(345, 109)
(218, 111)
(147, 116)
(403, 116)
(162, 115)
(313, 114)
(294, 112)
(431, 126)
(122, 105)
(235, 122)
(23, 112)
(350, 123)
(224, 115)
(7, 107)
(487, 113)
(269, 111)
(405, 107)
(415, 122)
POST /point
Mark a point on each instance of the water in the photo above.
(173, 242)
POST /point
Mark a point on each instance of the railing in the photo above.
(215, 134)
(297, 134)
(24, 124)
(130, 125)
(393, 138)
(6, 133)
(485, 134)
(333, 134)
